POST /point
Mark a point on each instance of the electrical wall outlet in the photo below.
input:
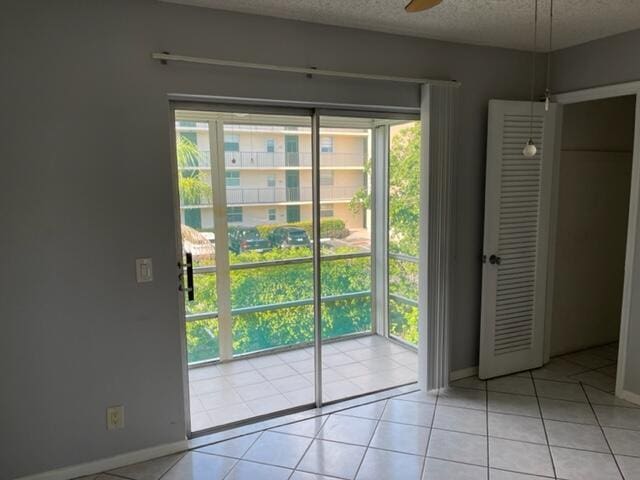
(115, 417)
(144, 270)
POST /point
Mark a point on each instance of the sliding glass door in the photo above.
(248, 220)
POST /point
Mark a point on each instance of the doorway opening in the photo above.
(592, 212)
(250, 326)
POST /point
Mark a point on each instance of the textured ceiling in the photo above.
(501, 23)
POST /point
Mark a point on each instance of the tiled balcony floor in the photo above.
(242, 389)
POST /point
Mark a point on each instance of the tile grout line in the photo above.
(313, 439)
(525, 474)
(173, 464)
(118, 475)
(544, 397)
(375, 429)
(544, 426)
(459, 462)
(603, 432)
(426, 451)
(238, 459)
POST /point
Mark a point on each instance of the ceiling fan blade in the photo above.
(420, 5)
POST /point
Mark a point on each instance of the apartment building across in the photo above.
(268, 174)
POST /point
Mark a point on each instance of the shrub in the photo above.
(329, 227)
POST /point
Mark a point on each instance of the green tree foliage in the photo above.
(193, 188)
(281, 284)
(404, 229)
(404, 191)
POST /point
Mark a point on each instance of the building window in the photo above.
(326, 145)
(232, 178)
(234, 214)
(271, 214)
(293, 213)
(231, 142)
(326, 211)
(193, 218)
(326, 177)
(271, 180)
(271, 145)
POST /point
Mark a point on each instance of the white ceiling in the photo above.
(501, 23)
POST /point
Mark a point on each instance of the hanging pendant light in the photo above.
(530, 148)
(547, 92)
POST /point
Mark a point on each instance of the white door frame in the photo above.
(632, 264)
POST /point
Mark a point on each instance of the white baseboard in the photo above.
(629, 396)
(110, 463)
(463, 373)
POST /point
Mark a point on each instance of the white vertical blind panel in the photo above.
(437, 239)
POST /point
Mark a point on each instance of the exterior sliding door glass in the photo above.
(403, 230)
(196, 227)
(269, 247)
(357, 354)
(345, 246)
(245, 219)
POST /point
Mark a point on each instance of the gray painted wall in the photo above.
(601, 62)
(593, 208)
(605, 62)
(86, 188)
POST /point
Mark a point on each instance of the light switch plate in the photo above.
(144, 270)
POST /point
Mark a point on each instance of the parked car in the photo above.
(290, 237)
(242, 239)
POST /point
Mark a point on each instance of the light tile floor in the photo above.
(555, 422)
(242, 389)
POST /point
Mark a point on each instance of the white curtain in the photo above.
(437, 213)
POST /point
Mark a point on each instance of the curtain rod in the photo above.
(165, 57)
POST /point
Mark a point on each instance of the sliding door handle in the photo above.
(189, 289)
(494, 260)
(190, 292)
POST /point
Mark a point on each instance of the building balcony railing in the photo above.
(241, 196)
(290, 159)
(271, 195)
(277, 160)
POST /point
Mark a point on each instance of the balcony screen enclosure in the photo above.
(250, 326)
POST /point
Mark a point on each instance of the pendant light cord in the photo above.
(533, 65)
(550, 47)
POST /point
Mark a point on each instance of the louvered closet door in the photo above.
(517, 206)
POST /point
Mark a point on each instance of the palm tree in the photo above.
(193, 189)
